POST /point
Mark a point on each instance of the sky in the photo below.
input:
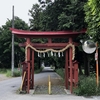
(21, 9)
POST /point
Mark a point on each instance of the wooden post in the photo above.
(75, 64)
(66, 69)
(70, 64)
(24, 64)
(28, 60)
(32, 69)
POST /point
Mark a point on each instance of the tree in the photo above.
(59, 15)
(5, 43)
(92, 18)
(35, 13)
(72, 15)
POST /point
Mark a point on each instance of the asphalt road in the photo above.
(8, 90)
(9, 86)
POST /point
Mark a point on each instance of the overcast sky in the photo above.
(21, 8)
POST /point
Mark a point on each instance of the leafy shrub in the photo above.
(87, 86)
(17, 73)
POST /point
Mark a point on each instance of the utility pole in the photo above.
(12, 62)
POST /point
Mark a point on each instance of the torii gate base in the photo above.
(71, 67)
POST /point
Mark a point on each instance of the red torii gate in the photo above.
(71, 66)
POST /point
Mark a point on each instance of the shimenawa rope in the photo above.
(47, 50)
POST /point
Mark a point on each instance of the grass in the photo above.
(38, 70)
(17, 72)
(61, 72)
(3, 71)
(86, 86)
(8, 72)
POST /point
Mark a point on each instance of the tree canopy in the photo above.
(57, 15)
(47, 15)
(92, 18)
(6, 41)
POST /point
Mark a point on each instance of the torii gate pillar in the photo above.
(30, 66)
(28, 61)
(71, 69)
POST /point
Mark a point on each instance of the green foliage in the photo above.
(16, 73)
(92, 18)
(6, 43)
(8, 74)
(87, 86)
(36, 66)
(35, 14)
(61, 72)
(57, 15)
(38, 70)
(72, 16)
(3, 71)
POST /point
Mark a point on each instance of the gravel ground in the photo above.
(55, 90)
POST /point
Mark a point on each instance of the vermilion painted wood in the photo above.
(24, 64)
(28, 59)
(48, 45)
(49, 40)
(45, 34)
(71, 65)
(32, 69)
(39, 33)
(66, 69)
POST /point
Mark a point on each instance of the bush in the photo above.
(87, 86)
(16, 73)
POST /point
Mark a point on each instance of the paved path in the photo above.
(41, 85)
(42, 78)
(10, 86)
